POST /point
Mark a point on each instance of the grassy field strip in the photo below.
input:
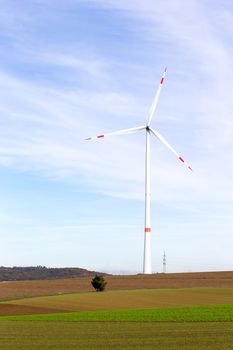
(131, 299)
(24, 335)
(216, 313)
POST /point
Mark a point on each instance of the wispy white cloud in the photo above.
(205, 71)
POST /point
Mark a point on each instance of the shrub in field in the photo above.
(99, 283)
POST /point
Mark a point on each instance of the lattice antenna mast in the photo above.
(164, 263)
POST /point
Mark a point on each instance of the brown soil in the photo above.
(12, 310)
(21, 289)
(128, 299)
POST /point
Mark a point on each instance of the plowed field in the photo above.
(118, 300)
(12, 290)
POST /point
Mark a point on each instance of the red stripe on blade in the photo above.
(182, 160)
(190, 168)
(147, 229)
(98, 137)
(161, 81)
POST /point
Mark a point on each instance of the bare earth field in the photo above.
(118, 300)
(12, 290)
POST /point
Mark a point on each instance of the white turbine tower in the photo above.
(147, 266)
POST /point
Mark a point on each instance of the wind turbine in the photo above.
(147, 266)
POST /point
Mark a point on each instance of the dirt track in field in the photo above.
(13, 290)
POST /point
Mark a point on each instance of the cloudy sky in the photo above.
(75, 68)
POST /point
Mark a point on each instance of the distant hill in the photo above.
(17, 273)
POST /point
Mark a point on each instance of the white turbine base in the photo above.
(147, 268)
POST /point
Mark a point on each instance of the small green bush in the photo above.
(99, 283)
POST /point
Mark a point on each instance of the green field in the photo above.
(199, 319)
(213, 313)
(26, 335)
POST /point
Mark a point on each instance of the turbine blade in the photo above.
(162, 139)
(120, 132)
(155, 102)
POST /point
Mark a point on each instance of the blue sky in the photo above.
(73, 69)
